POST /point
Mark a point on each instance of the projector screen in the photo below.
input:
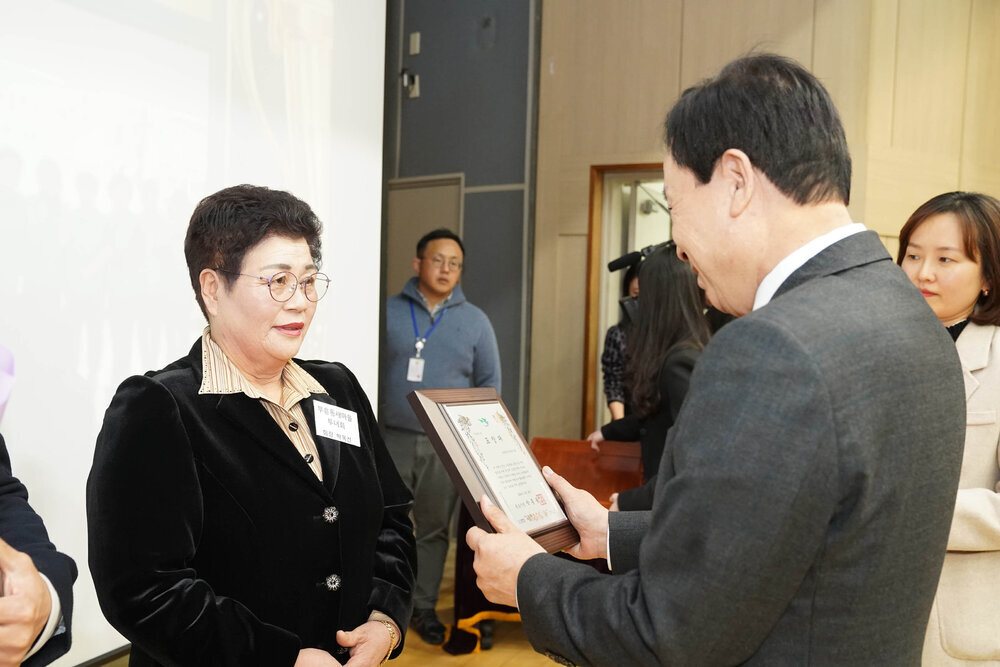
(116, 117)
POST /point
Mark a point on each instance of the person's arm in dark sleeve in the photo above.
(625, 429)
(674, 380)
(23, 529)
(613, 367)
(637, 498)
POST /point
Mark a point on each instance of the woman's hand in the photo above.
(596, 438)
(369, 643)
(314, 657)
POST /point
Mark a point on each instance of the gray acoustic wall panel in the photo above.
(473, 67)
(491, 278)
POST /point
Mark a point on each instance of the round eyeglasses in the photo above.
(282, 285)
(440, 261)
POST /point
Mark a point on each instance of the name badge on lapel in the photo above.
(337, 423)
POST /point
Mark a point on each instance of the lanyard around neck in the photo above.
(427, 334)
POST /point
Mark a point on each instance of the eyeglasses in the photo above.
(439, 262)
(282, 285)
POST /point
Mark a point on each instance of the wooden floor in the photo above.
(510, 646)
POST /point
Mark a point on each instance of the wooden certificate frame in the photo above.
(485, 453)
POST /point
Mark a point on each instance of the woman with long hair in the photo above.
(950, 249)
(664, 344)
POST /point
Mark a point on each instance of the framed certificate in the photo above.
(485, 453)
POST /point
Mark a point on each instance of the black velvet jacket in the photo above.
(213, 543)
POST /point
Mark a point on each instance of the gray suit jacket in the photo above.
(804, 496)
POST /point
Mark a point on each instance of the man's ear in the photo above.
(416, 265)
(211, 285)
(737, 171)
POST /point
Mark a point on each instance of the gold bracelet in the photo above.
(392, 639)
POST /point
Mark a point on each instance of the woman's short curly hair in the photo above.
(227, 224)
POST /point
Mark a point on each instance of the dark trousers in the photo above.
(434, 503)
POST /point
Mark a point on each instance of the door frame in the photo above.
(595, 236)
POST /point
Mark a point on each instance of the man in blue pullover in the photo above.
(434, 339)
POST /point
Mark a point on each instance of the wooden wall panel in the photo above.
(979, 168)
(844, 72)
(603, 64)
(557, 369)
(891, 244)
(931, 47)
(934, 89)
(922, 159)
(915, 106)
(899, 180)
(717, 31)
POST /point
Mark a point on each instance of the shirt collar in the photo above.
(220, 376)
(791, 263)
(443, 303)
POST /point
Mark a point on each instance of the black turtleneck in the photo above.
(955, 329)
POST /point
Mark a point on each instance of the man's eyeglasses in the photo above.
(282, 285)
(439, 262)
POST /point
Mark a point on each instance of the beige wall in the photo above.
(917, 83)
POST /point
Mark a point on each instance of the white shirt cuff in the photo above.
(607, 548)
(55, 619)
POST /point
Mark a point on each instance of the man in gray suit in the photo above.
(805, 494)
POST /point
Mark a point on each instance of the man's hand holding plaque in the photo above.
(500, 556)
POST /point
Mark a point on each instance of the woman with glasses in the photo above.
(243, 509)
(950, 250)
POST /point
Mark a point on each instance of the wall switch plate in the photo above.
(414, 88)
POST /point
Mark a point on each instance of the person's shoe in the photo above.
(427, 625)
(486, 629)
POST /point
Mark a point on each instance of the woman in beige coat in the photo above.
(950, 249)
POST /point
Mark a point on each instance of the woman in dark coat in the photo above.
(664, 344)
(243, 509)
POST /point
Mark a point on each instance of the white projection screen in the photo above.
(116, 117)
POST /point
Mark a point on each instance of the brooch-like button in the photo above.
(331, 514)
(293, 427)
(332, 582)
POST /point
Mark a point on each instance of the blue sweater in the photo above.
(461, 352)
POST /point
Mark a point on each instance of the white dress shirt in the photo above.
(786, 267)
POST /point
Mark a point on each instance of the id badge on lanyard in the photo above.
(415, 367)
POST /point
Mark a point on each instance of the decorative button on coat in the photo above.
(331, 514)
(332, 582)
(293, 426)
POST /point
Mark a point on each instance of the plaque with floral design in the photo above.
(485, 453)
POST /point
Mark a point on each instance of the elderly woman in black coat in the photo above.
(243, 509)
